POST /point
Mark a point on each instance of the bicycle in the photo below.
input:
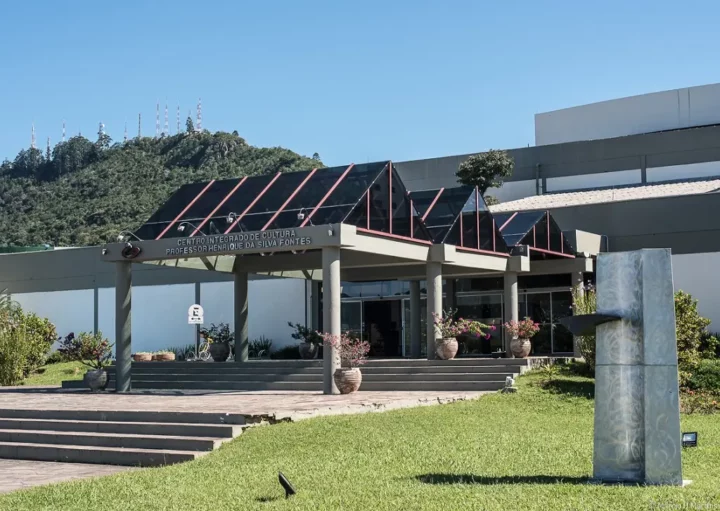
(204, 354)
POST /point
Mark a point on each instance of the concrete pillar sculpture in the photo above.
(415, 321)
(637, 416)
(241, 316)
(331, 314)
(434, 304)
(123, 326)
(510, 305)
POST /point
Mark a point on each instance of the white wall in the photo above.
(679, 108)
(697, 274)
(513, 190)
(159, 313)
(70, 311)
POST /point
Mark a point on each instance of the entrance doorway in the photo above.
(383, 327)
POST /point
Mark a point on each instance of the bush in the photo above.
(181, 352)
(90, 349)
(261, 347)
(585, 302)
(705, 376)
(691, 331)
(699, 402)
(56, 358)
(41, 335)
(14, 353)
(286, 353)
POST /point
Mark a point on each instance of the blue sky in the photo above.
(356, 82)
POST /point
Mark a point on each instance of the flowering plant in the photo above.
(523, 329)
(90, 349)
(353, 351)
(447, 327)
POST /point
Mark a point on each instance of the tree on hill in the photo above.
(86, 196)
(486, 170)
(189, 126)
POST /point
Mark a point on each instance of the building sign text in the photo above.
(238, 241)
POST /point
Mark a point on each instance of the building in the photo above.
(642, 172)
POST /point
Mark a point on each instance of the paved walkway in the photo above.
(19, 474)
(278, 404)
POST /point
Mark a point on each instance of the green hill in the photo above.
(85, 193)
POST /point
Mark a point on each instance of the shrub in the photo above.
(585, 302)
(691, 331)
(56, 358)
(40, 335)
(14, 353)
(304, 334)
(699, 402)
(705, 376)
(90, 349)
(286, 353)
(218, 333)
(182, 352)
(352, 351)
(260, 347)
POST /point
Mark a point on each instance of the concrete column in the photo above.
(241, 316)
(96, 310)
(331, 314)
(315, 305)
(450, 294)
(415, 320)
(123, 341)
(579, 285)
(434, 304)
(511, 305)
(197, 327)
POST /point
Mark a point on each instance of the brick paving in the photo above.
(292, 405)
(19, 474)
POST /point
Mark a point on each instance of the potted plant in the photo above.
(142, 356)
(448, 329)
(164, 356)
(353, 353)
(92, 350)
(310, 341)
(521, 332)
(219, 338)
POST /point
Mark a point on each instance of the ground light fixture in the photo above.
(287, 485)
(689, 439)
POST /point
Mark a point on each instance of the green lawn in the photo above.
(54, 374)
(527, 451)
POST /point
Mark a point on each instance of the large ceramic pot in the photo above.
(219, 351)
(96, 379)
(446, 349)
(308, 350)
(347, 380)
(520, 348)
(142, 357)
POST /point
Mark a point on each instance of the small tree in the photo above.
(692, 332)
(486, 170)
(585, 302)
(92, 350)
(189, 126)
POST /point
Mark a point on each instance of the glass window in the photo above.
(538, 307)
(562, 339)
(486, 309)
(423, 328)
(351, 317)
(542, 342)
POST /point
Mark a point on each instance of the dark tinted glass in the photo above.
(211, 198)
(177, 202)
(562, 339)
(520, 223)
(281, 189)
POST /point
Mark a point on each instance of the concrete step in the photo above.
(433, 386)
(104, 455)
(127, 428)
(275, 364)
(204, 418)
(76, 438)
(384, 375)
(141, 384)
(429, 377)
(279, 372)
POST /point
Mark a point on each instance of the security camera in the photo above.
(231, 217)
(128, 245)
(301, 216)
(181, 227)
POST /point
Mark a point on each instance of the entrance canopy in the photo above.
(277, 225)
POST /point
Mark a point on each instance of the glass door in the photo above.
(351, 318)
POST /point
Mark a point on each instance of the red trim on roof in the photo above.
(240, 217)
(327, 195)
(552, 252)
(507, 221)
(432, 204)
(390, 203)
(292, 196)
(480, 251)
(218, 206)
(185, 210)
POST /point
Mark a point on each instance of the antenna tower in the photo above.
(63, 134)
(125, 137)
(139, 125)
(47, 149)
(199, 115)
(157, 120)
(178, 120)
(166, 128)
(32, 137)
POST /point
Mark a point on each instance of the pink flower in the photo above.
(493, 328)
(487, 336)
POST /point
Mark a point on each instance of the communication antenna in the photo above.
(166, 128)
(125, 137)
(47, 149)
(157, 120)
(63, 134)
(178, 120)
(199, 115)
(32, 137)
(140, 125)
